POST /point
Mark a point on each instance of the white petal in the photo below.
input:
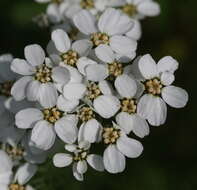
(149, 8)
(61, 40)
(70, 147)
(167, 78)
(85, 145)
(114, 161)
(167, 64)
(83, 62)
(66, 128)
(75, 76)
(105, 87)
(82, 47)
(18, 90)
(76, 174)
(125, 86)
(96, 72)
(96, 162)
(74, 91)
(85, 22)
(140, 126)
(105, 53)
(61, 160)
(153, 108)
(48, 95)
(136, 32)
(123, 45)
(106, 105)
(5, 179)
(34, 54)
(5, 162)
(43, 135)
(129, 147)
(4, 186)
(125, 121)
(28, 117)
(82, 167)
(21, 67)
(60, 75)
(90, 131)
(175, 96)
(53, 13)
(66, 105)
(25, 173)
(32, 90)
(114, 22)
(148, 67)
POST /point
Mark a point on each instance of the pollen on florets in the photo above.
(16, 187)
(87, 4)
(153, 86)
(52, 115)
(70, 58)
(43, 74)
(129, 9)
(115, 69)
(99, 38)
(128, 105)
(85, 114)
(110, 135)
(93, 91)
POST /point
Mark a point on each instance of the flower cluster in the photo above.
(88, 89)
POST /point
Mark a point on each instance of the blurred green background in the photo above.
(169, 160)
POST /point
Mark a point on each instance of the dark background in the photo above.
(169, 161)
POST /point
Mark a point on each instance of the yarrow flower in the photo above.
(79, 156)
(40, 77)
(88, 93)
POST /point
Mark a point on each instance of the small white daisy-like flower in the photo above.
(108, 30)
(46, 124)
(40, 77)
(128, 118)
(138, 9)
(9, 181)
(79, 156)
(118, 146)
(93, 6)
(157, 80)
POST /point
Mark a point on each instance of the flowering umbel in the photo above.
(88, 87)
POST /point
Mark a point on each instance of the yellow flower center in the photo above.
(115, 69)
(129, 9)
(153, 86)
(128, 105)
(111, 135)
(87, 4)
(70, 58)
(16, 153)
(16, 187)
(43, 74)
(93, 91)
(52, 115)
(5, 88)
(99, 38)
(86, 114)
(80, 155)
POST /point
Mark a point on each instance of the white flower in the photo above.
(157, 80)
(109, 30)
(40, 77)
(79, 157)
(45, 124)
(119, 146)
(138, 9)
(93, 6)
(128, 118)
(19, 180)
